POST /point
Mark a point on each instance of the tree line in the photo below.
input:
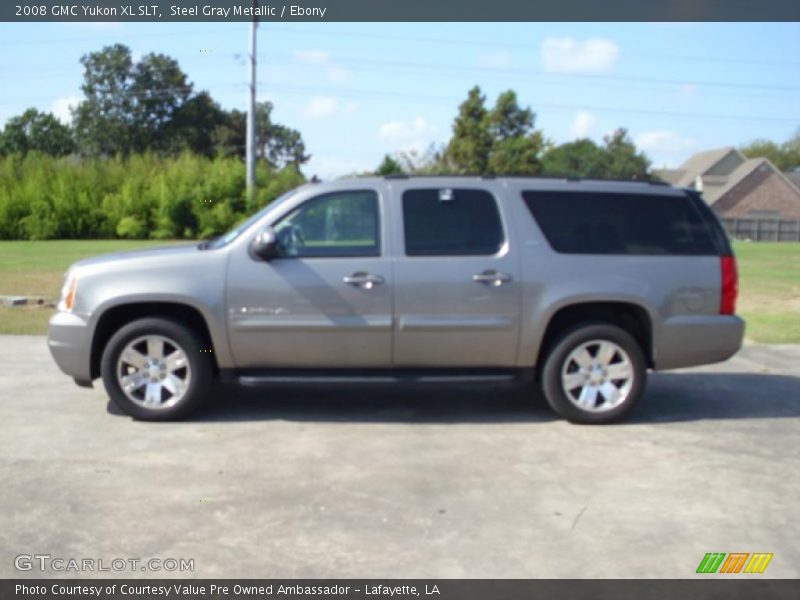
(503, 140)
(131, 107)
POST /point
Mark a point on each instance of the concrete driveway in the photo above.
(377, 483)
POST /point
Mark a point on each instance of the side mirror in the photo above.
(265, 244)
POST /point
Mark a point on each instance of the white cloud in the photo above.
(319, 107)
(664, 142)
(61, 108)
(313, 57)
(339, 75)
(568, 55)
(582, 124)
(687, 90)
(500, 59)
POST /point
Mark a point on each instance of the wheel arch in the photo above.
(117, 316)
(629, 316)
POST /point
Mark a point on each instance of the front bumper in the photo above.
(690, 341)
(69, 343)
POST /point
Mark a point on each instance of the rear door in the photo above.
(457, 289)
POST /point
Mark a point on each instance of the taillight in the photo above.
(730, 285)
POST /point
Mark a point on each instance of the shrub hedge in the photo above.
(138, 197)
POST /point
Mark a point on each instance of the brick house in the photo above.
(737, 186)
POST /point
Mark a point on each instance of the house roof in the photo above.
(715, 186)
(702, 162)
(712, 193)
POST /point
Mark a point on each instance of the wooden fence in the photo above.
(763, 230)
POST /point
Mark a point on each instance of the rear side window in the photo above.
(451, 222)
(603, 223)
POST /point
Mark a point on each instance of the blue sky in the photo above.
(359, 90)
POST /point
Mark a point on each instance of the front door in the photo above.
(457, 289)
(326, 300)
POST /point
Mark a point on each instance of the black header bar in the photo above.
(400, 10)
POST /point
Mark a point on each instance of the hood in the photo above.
(139, 256)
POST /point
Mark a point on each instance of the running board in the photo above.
(381, 378)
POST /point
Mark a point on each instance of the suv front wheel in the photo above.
(594, 373)
(156, 369)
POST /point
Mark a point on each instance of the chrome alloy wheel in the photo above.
(153, 371)
(597, 376)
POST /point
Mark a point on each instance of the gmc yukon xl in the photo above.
(578, 286)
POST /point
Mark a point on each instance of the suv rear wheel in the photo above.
(156, 369)
(594, 373)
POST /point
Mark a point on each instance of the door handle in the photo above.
(492, 278)
(363, 280)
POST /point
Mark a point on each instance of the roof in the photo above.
(698, 172)
(700, 163)
(712, 193)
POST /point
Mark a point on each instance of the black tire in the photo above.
(177, 336)
(555, 364)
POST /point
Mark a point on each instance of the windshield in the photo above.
(227, 238)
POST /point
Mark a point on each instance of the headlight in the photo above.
(68, 293)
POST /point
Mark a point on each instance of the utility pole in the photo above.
(251, 112)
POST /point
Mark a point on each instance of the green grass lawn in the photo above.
(769, 291)
(37, 269)
(769, 296)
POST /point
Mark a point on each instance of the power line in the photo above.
(599, 82)
(535, 105)
(529, 72)
(473, 42)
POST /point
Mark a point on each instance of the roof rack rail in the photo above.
(513, 176)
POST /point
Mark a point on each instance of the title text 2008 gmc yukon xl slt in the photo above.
(583, 284)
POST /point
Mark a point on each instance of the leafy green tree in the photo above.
(617, 158)
(104, 120)
(580, 158)
(230, 136)
(791, 149)
(34, 131)
(785, 156)
(517, 155)
(508, 120)
(160, 89)
(516, 145)
(150, 105)
(389, 166)
(622, 160)
(194, 126)
(276, 144)
(500, 141)
(471, 144)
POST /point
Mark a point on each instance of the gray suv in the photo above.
(578, 286)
